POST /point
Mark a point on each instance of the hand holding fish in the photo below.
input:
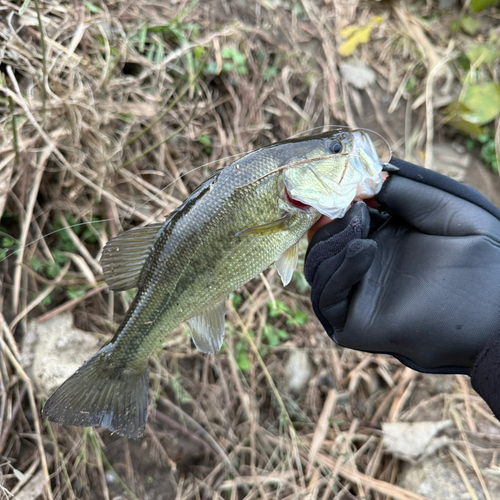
(418, 280)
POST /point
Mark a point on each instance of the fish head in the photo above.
(330, 170)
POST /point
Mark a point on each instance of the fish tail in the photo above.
(98, 394)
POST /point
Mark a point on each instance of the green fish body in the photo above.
(241, 220)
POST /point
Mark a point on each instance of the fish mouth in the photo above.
(296, 203)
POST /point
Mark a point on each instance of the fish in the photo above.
(237, 223)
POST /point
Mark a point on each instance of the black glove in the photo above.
(421, 281)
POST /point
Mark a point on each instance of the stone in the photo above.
(410, 440)
(54, 350)
(298, 371)
(437, 480)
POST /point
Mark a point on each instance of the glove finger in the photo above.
(444, 183)
(333, 302)
(435, 211)
(331, 239)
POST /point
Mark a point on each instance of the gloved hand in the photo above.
(420, 280)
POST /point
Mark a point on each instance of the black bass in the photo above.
(241, 220)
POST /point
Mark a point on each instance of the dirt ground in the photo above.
(103, 106)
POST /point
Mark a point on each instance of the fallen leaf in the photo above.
(357, 34)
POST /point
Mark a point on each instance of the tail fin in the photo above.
(97, 394)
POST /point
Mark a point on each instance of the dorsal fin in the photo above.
(124, 256)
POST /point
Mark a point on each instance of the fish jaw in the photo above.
(330, 184)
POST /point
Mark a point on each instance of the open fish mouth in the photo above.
(296, 203)
(329, 184)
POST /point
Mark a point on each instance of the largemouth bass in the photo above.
(241, 220)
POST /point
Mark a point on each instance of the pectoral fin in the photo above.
(276, 226)
(207, 329)
(123, 257)
(287, 263)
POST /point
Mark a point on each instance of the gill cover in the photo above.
(330, 183)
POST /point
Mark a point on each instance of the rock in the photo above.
(486, 181)
(357, 73)
(410, 440)
(447, 4)
(451, 160)
(54, 350)
(33, 488)
(298, 371)
(437, 480)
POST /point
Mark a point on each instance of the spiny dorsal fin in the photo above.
(207, 329)
(287, 263)
(123, 257)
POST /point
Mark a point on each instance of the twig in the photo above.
(40, 297)
(44, 59)
(159, 143)
(183, 92)
(34, 410)
(429, 108)
(81, 248)
(14, 129)
(40, 168)
(72, 303)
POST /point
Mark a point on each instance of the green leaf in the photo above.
(242, 359)
(479, 5)
(300, 282)
(52, 270)
(269, 72)
(488, 53)
(143, 33)
(470, 25)
(46, 301)
(466, 127)
(198, 52)
(483, 103)
(75, 292)
(59, 257)
(272, 339)
(211, 68)
(298, 318)
(488, 153)
(204, 140)
(236, 300)
(22, 11)
(91, 7)
(37, 265)
(282, 334)
(280, 308)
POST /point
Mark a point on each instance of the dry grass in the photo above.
(100, 116)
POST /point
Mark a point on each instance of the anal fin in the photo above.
(287, 263)
(123, 257)
(207, 329)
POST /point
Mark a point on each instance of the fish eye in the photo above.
(335, 147)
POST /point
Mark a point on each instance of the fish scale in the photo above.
(235, 225)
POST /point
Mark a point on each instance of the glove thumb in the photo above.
(333, 238)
